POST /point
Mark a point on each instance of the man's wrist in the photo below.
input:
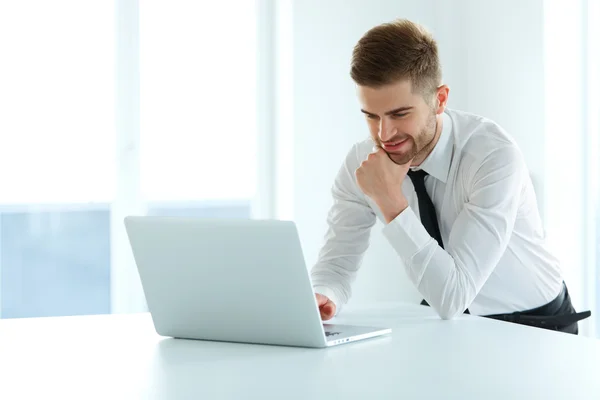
(392, 208)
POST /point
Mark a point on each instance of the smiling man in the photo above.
(452, 190)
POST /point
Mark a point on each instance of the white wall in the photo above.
(492, 57)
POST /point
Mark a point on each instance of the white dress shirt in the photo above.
(495, 258)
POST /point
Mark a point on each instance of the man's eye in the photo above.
(370, 116)
(399, 115)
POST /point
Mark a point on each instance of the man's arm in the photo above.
(450, 279)
(349, 220)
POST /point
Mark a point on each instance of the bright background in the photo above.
(245, 109)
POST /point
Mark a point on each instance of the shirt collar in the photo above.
(437, 163)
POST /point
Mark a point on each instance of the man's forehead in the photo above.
(385, 98)
(403, 87)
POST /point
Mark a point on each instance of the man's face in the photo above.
(401, 122)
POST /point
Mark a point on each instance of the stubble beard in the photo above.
(426, 142)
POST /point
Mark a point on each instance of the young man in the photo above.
(452, 189)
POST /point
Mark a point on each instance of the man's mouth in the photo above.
(392, 147)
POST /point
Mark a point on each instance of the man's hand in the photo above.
(326, 307)
(381, 179)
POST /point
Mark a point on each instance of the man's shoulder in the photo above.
(364, 147)
(478, 137)
(359, 152)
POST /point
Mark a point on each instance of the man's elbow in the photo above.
(451, 311)
(448, 314)
(455, 300)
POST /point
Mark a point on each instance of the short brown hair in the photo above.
(395, 51)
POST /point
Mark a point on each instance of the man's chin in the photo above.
(399, 159)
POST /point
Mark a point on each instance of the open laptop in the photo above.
(234, 280)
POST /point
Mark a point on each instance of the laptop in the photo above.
(232, 280)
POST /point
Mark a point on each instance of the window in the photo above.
(55, 260)
(62, 250)
(572, 169)
(56, 156)
(198, 101)
(593, 147)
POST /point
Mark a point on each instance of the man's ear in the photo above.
(441, 98)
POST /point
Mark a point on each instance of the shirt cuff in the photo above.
(406, 234)
(330, 294)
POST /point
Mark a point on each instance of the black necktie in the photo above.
(427, 211)
(426, 208)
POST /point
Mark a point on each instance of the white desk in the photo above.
(121, 357)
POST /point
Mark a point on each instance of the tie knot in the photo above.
(418, 175)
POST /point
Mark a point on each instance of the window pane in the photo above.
(214, 209)
(57, 98)
(593, 125)
(198, 117)
(55, 262)
(57, 155)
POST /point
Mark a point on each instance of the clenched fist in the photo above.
(381, 179)
(326, 307)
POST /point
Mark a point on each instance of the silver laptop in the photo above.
(231, 280)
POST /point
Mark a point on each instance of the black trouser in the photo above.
(558, 315)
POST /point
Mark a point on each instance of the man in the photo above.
(452, 189)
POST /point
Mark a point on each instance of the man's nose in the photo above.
(386, 132)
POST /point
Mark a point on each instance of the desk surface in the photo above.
(121, 357)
